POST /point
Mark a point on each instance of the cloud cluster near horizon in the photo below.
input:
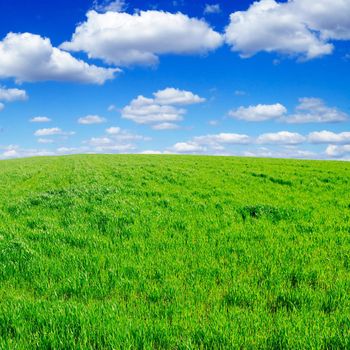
(309, 110)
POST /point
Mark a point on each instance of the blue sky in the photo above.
(262, 78)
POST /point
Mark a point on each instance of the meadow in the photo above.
(174, 252)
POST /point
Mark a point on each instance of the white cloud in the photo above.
(11, 95)
(259, 112)
(282, 137)
(12, 153)
(100, 141)
(326, 136)
(284, 144)
(117, 148)
(120, 134)
(110, 145)
(52, 131)
(91, 119)
(296, 27)
(144, 110)
(264, 152)
(107, 5)
(71, 150)
(15, 151)
(40, 120)
(151, 152)
(222, 138)
(165, 126)
(114, 130)
(210, 143)
(309, 110)
(172, 96)
(210, 9)
(329, 17)
(124, 39)
(45, 141)
(28, 58)
(187, 147)
(160, 109)
(336, 151)
(314, 110)
(117, 140)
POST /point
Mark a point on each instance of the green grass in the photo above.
(174, 252)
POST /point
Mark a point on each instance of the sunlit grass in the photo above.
(174, 252)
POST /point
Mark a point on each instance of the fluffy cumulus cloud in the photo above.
(151, 151)
(187, 147)
(144, 110)
(40, 120)
(296, 27)
(285, 152)
(114, 130)
(120, 134)
(116, 140)
(329, 137)
(314, 110)
(223, 138)
(15, 151)
(282, 137)
(210, 143)
(338, 151)
(91, 119)
(309, 110)
(329, 17)
(114, 148)
(282, 144)
(172, 96)
(28, 58)
(124, 39)
(11, 95)
(108, 145)
(52, 132)
(162, 108)
(259, 113)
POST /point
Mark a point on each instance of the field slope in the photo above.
(174, 252)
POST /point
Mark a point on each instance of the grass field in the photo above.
(174, 252)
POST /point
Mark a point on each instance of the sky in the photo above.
(262, 79)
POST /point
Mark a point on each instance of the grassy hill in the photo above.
(174, 252)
